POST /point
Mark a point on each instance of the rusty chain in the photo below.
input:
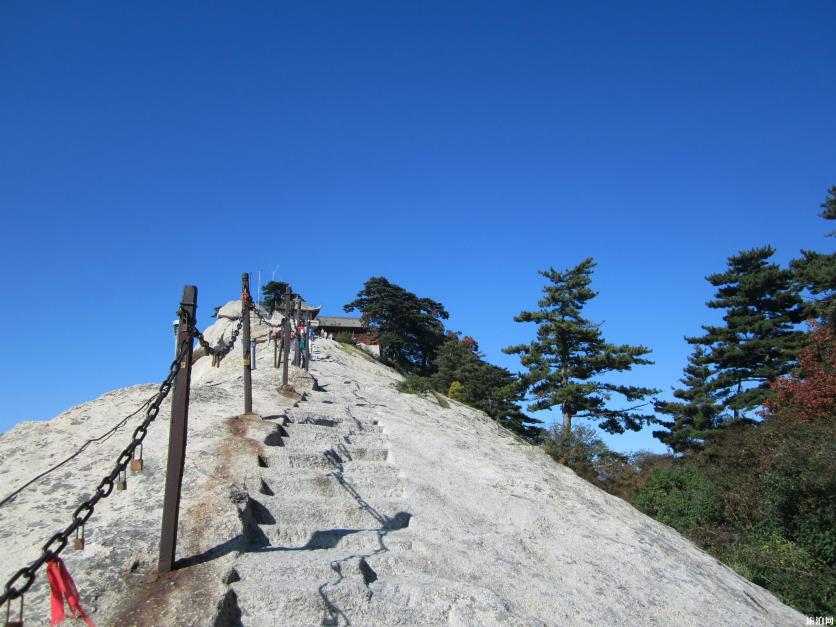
(262, 318)
(218, 352)
(83, 512)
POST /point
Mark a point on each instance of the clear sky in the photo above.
(453, 147)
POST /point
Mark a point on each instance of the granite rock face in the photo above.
(354, 504)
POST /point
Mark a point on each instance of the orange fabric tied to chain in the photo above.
(61, 587)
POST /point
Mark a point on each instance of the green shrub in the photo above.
(770, 560)
(415, 384)
(455, 390)
(345, 338)
(680, 496)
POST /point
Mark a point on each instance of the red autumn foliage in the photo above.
(812, 393)
(471, 344)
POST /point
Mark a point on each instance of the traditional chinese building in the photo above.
(345, 324)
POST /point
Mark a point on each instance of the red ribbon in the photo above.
(62, 586)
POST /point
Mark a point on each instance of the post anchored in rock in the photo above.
(285, 336)
(177, 437)
(307, 341)
(246, 304)
(297, 337)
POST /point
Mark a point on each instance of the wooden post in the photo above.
(307, 342)
(297, 356)
(246, 302)
(177, 434)
(286, 337)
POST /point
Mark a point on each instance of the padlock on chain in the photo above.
(78, 542)
(136, 462)
(9, 621)
(122, 481)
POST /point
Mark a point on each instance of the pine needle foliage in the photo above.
(760, 340)
(569, 355)
(815, 273)
(695, 412)
(410, 328)
(272, 294)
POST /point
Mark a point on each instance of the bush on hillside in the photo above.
(762, 498)
(345, 338)
(415, 384)
(681, 497)
(455, 390)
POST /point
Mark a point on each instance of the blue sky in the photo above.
(455, 148)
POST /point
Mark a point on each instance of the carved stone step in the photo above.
(301, 483)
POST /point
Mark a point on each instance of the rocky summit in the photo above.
(346, 502)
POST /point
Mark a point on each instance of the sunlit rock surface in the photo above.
(356, 505)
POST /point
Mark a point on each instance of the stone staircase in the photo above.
(328, 500)
(329, 539)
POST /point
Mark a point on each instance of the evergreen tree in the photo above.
(409, 328)
(829, 205)
(494, 390)
(272, 294)
(569, 354)
(759, 341)
(696, 412)
(497, 392)
(815, 273)
(454, 361)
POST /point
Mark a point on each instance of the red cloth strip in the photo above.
(61, 587)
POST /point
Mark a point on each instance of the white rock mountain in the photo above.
(356, 505)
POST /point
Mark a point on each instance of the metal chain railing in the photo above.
(258, 315)
(218, 352)
(9, 498)
(19, 583)
(58, 542)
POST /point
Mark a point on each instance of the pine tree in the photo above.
(494, 390)
(760, 340)
(273, 293)
(455, 361)
(697, 411)
(815, 273)
(409, 328)
(497, 392)
(569, 354)
(829, 205)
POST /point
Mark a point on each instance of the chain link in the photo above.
(262, 319)
(83, 512)
(218, 352)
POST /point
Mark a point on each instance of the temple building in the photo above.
(345, 324)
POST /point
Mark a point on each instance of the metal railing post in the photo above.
(286, 337)
(177, 437)
(297, 356)
(307, 342)
(246, 301)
